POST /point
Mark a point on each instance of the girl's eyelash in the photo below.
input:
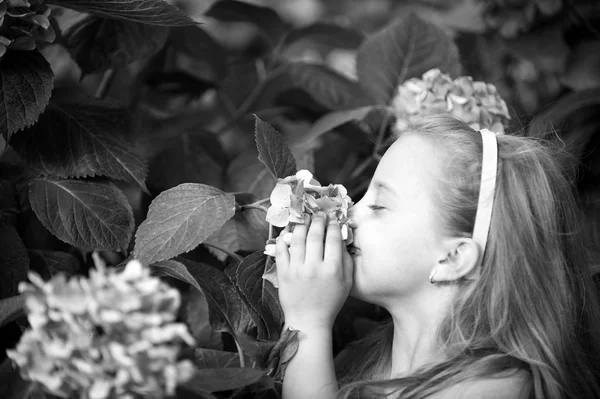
(376, 207)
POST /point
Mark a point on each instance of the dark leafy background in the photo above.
(157, 130)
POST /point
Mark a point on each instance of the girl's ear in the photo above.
(461, 259)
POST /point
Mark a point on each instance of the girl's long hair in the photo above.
(535, 306)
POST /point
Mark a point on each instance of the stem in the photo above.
(256, 205)
(224, 250)
(270, 231)
(252, 206)
(240, 353)
(105, 83)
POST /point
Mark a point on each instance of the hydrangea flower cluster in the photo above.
(475, 103)
(112, 335)
(23, 23)
(300, 195)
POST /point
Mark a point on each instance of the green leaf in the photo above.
(88, 215)
(259, 295)
(13, 386)
(223, 379)
(174, 269)
(49, 263)
(328, 34)
(247, 174)
(405, 49)
(81, 137)
(327, 87)
(334, 119)
(273, 151)
(179, 219)
(247, 230)
(11, 308)
(98, 43)
(264, 18)
(227, 311)
(26, 82)
(215, 359)
(152, 12)
(281, 353)
(188, 159)
(198, 54)
(14, 262)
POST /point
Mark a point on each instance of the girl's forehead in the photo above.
(411, 160)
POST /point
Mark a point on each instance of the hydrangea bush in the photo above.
(112, 335)
(179, 187)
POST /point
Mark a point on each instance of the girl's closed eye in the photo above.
(376, 207)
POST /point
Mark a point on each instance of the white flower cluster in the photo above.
(475, 103)
(300, 195)
(112, 335)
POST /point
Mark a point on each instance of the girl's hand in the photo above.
(315, 274)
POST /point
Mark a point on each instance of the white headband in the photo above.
(485, 204)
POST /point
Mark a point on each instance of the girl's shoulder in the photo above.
(517, 385)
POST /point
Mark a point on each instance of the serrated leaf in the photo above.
(273, 151)
(223, 379)
(26, 82)
(174, 269)
(258, 294)
(215, 359)
(281, 353)
(13, 386)
(247, 230)
(327, 87)
(334, 119)
(188, 159)
(81, 137)
(198, 54)
(49, 263)
(227, 311)
(14, 262)
(264, 18)
(88, 215)
(152, 12)
(98, 43)
(328, 34)
(246, 173)
(11, 308)
(179, 219)
(405, 49)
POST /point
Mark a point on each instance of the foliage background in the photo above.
(151, 107)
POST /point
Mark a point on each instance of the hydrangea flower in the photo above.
(476, 103)
(300, 195)
(23, 23)
(112, 335)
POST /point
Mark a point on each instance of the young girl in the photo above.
(468, 240)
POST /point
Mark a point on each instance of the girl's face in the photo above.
(397, 233)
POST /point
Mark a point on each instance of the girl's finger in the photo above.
(347, 266)
(315, 238)
(298, 243)
(282, 254)
(333, 243)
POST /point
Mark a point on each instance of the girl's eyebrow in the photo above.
(381, 186)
